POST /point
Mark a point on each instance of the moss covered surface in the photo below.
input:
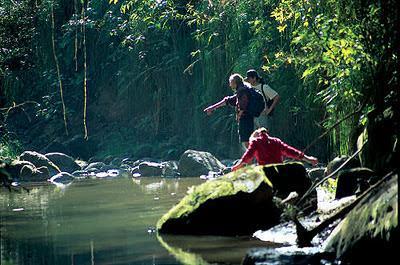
(237, 203)
(184, 257)
(371, 228)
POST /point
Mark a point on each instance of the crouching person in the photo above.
(270, 150)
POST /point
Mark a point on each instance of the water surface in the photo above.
(105, 222)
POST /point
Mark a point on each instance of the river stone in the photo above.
(30, 173)
(196, 163)
(237, 203)
(147, 169)
(95, 166)
(338, 161)
(170, 169)
(14, 168)
(352, 181)
(39, 160)
(286, 256)
(63, 178)
(316, 174)
(370, 231)
(288, 177)
(64, 162)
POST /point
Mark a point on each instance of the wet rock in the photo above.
(370, 231)
(196, 163)
(31, 173)
(62, 178)
(287, 256)
(39, 160)
(238, 203)
(96, 166)
(147, 169)
(338, 161)
(14, 168)
(288, 177)
(80, 174)
(81, 163)
(170, 169)
(64, 162)
(354, 181)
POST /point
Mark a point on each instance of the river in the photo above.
(105, 221)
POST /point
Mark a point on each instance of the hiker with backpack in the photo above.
(246, 106)
(271, 98)
(270, 150)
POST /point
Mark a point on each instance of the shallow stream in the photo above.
(106, 221)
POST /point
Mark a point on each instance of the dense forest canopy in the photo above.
(135, 75)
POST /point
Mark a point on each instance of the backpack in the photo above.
(256, 102)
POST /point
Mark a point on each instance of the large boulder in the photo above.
(147, 169)
(370, 231)
(31, 173)
(288, 177)
(64, 162)
(338, 161)
(62, 178)
(238, 203)
(39, 160)
(170, 169)
(95, 166)
(352, 181)
(196, 163)
(14, 168)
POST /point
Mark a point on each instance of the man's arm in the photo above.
(225, 101)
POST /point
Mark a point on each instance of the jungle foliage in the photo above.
(150, 67)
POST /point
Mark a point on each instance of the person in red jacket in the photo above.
(270, 150)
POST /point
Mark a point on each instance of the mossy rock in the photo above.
(370, 231)
(238, 203)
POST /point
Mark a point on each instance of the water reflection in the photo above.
(90, 222)
(105, 221)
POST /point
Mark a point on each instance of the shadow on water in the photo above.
(209, 249)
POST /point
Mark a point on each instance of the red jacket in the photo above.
(270, 150)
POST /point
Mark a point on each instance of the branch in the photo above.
(330, 175)
(304, 236)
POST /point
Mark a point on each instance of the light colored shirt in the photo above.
(268, 91)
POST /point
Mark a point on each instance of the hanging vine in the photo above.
(84, 70)
(76, 35)
(58, 67)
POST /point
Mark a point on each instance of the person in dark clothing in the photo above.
(240, 100)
